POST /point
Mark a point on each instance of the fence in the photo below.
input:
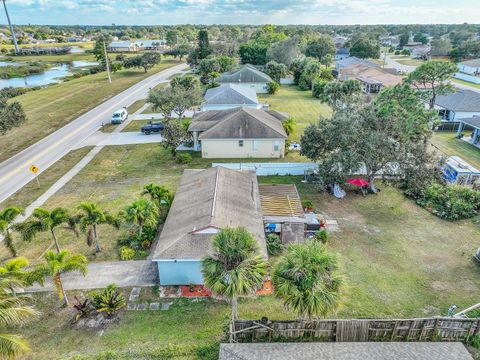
(452, 126)
(356, 330)
(265, 169)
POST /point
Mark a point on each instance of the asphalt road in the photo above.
(14, 172)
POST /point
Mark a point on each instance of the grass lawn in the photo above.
(397, 260)
(300, 105)
(135, 106)
(135, 125)
(449, 145)
(407, 60)
(52, 58)
(465, 83)
(50, 108)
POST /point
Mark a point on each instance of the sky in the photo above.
(169, 12)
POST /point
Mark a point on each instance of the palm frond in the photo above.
(12, 346)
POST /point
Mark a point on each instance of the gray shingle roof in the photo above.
(352, 60)
(472, 63)
(239, 123)
(231, 94)
(121, 44)
(212, 198)
(345, 351)
(246, 74)
(472, 121)
(462, 100)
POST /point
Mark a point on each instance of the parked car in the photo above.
(152, 127)
(119, 116)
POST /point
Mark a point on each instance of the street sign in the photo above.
(33, 169)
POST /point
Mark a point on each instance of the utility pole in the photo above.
(106, 62)
(14, 38)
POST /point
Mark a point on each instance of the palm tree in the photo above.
(235, 268)
(47, 221)
(14, 311)
(17, 269)
(304, 278)
(160, 195)
(7, 217)
(91, 217)
(141, 213)
(60, 263)
(289, 125)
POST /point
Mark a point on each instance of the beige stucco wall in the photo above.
(231, 148)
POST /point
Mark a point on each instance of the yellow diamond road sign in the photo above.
(33, 169)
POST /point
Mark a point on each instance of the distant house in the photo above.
(341, 54)
(151, 44)
(206, 202)
(469, 71)
(345, 351)
(372, 79)
(339, 41)
(461, 104)
(421, 52)
(239, 133)
(352, 60)
(228, 96)
(123, 46)
(247, 76)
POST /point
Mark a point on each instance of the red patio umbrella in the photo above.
(358, 182)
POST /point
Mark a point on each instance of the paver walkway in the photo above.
(101, 274)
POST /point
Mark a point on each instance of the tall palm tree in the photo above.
(47, 221)
(235, 268)
(91, 217)
(7, 217)
(14, 311)
(141, 213)
(60, 263)
(305, 279)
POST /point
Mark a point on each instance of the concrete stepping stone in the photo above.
(131, 306)
(142, 307)
(154, 306)
(166, 306)
(134, 294)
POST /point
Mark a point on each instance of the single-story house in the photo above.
(247, 76)
(421, 52)
(469, 71)
(341, 54)
(206, 202)
(151, 44)
(229, 96)
(353, 60)
(461, 104)
(282, 212)
(345, 351)
(239, 133)
(123, 46)
(371, 79)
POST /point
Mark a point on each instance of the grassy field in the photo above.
(298, 104)
(447, 144)
(397, 260)
(407, 60)
(50, 108)
(51, 58)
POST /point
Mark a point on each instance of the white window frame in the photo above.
(240, 143)
(276, 145)
(255, 145)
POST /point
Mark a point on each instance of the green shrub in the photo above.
(126, 253)
(451, 202)
(273, 87)
(108, 300)
(184, 158)
(473, 340)
(322, 236)
(274, 245)
(307, 204)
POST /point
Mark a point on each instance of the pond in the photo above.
(51, 76)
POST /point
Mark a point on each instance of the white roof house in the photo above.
(123, 46)
(469, 71)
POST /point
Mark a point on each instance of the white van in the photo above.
(119, 116)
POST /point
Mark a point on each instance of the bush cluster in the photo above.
(451, 202)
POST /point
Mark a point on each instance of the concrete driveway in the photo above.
(121, 138)
(392, 64)
(121, 273)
